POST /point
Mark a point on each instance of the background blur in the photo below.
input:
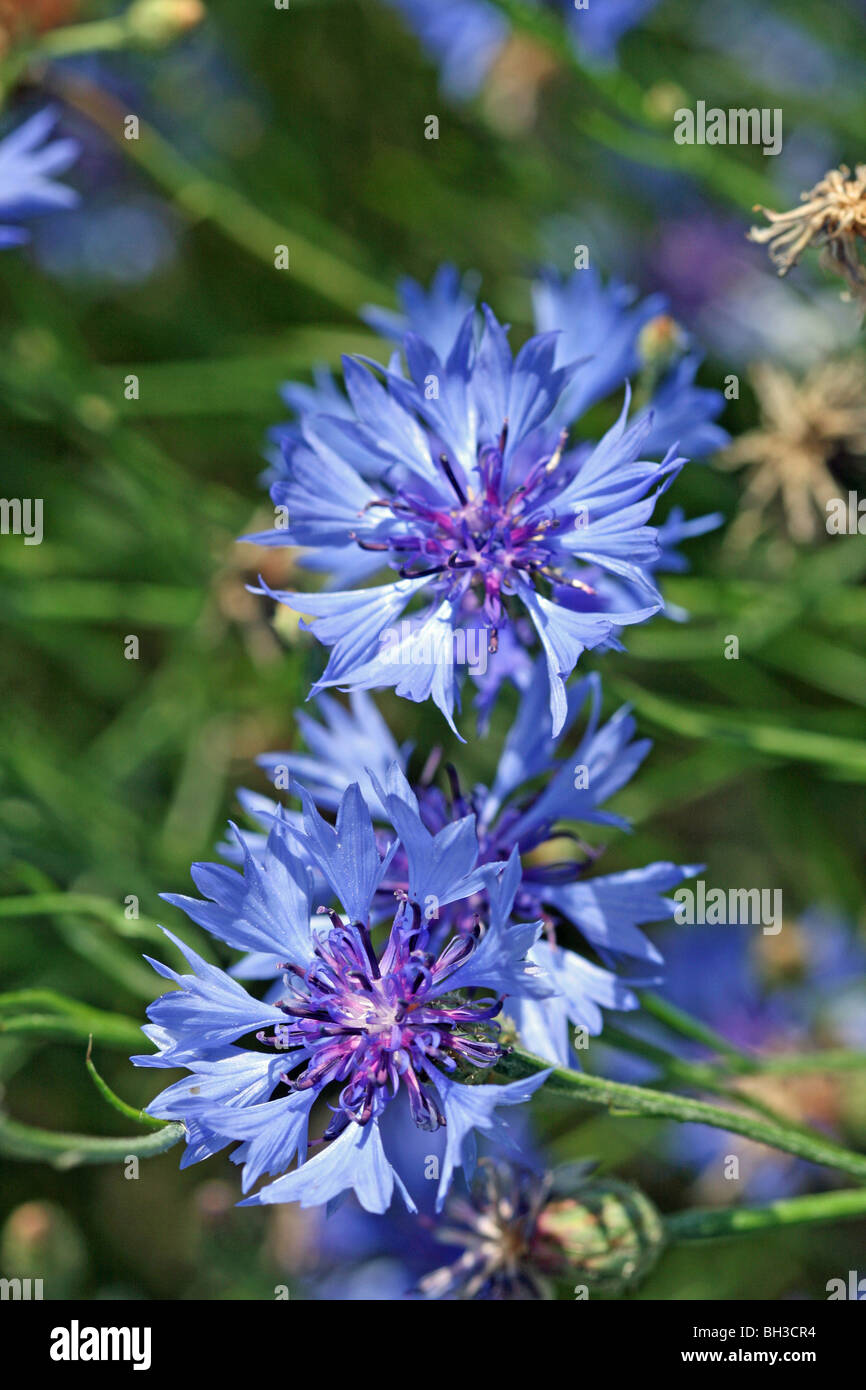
(306, 127)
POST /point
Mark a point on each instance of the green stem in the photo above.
(788, 1211)
(43, 904)
(716, 1078)
(624, 1099)
(69, 1150)
(47, 999)
(140, 1116)
(97, 36)
(743, 1063)
(701, 1076)
(678, 1021)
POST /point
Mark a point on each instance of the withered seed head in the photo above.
(804, 424)
(832, 216)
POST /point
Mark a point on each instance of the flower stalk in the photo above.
(66, 1151)
(627, 1100)
(810, 1210)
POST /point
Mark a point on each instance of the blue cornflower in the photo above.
(520, 1230)
(28, 163)
(366, 1023)
(593, 952)
(610, 333)
(459, 477)
(505, 1250)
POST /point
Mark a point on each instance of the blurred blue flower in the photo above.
(515, 825)
(196, 98)
(521, 1230)
(366, 1024)
(349, 1254)
(598, 325)
(29, 161)
(605, 328)
(502, 1254)
(464, 37)
(771, 48)
(459, 477)
(116, 238)
(756, 1001)
(805, 989)
(598, 28)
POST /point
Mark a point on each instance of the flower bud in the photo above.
(660, 342)
(607, 1236)
(159, 22)
(40, 1242)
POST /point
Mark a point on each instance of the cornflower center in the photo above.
(372, 1022)
(489, 537)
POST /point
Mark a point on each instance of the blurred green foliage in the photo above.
(116, 773)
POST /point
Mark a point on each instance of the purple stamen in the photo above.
(373, 1021)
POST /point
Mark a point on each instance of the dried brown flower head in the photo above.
(514, 84)
(832, 216)
(804, 425)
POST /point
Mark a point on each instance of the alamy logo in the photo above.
(854, 1290)
(737, 907)
(76, 1343)
(22, 516)
(739, 125)
(21, 1289)
(846, 516)
(422, 646)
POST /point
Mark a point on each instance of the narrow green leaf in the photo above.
(819, 663)
(845, 757)
(678, 1021)
(44, 1010)
(110, 1030)
(53, 903)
